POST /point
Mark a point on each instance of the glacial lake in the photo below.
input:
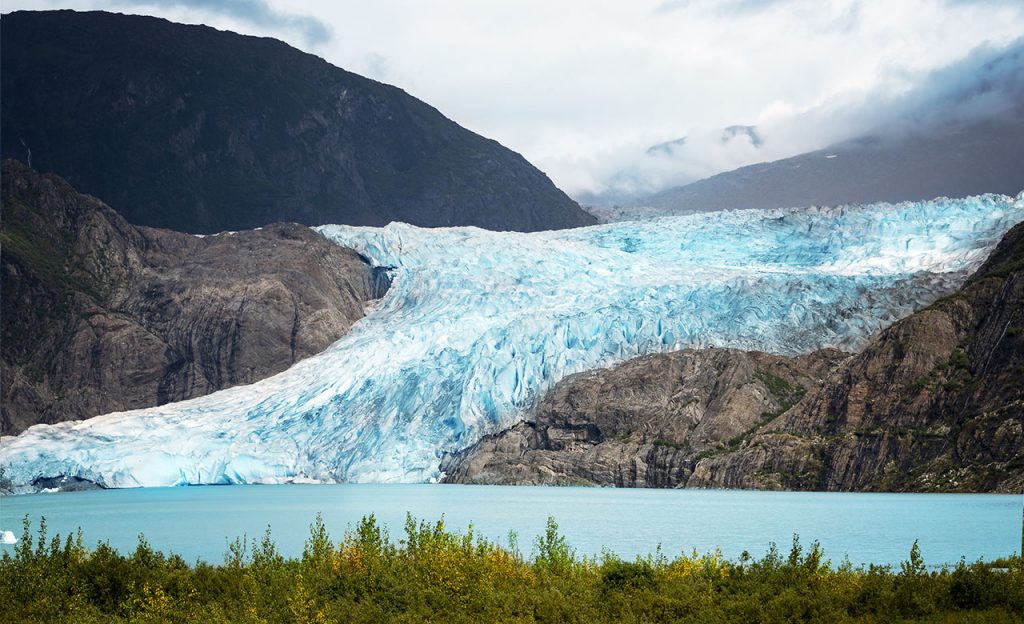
(198, 522)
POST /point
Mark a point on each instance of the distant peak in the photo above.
(731, 132)
(668, 148)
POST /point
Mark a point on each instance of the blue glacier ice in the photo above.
(478, 324)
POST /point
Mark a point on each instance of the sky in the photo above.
(584, 88)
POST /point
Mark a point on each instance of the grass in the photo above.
(669, 443)
(434, 575)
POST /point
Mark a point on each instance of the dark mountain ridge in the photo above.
(199, 130)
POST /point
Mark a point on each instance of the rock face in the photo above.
(643, 423)
(101, 316)
(934, 403)
(199, 130)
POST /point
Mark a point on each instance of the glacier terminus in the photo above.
(478, 325)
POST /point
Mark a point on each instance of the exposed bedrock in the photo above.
(643, 423)
(933, 403)
(102, 316)
(478, 325)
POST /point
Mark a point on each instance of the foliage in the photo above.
(432, 574)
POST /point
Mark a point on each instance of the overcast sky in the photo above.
(583, 88)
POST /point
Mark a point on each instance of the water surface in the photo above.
(197, 522)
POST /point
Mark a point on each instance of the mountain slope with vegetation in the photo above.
(199, 130)
(101, 316)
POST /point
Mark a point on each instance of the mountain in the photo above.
(959, 132)
(748, 133)
(933, 403)
(642, 423)
(477, 326)
(982, 157)
(666, 148)
(200, 130)
(100, 315)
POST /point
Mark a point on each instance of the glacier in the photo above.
(478, 324)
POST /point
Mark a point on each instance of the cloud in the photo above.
(984, 82)
(583, 88)
(822, 16)
(253, 17)
(252, 12)
(720, 6)
(987, 83)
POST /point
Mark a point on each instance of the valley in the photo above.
(478, 325)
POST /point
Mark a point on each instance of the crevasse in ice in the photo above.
(478, 324)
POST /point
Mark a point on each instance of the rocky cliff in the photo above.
(200, 130)
(934, 403)
(642, 423)
(99, 315)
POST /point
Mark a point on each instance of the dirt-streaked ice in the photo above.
(477, 324)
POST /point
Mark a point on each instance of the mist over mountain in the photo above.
(960, 133)
(667, 147)
(200, 130)
(748, 132)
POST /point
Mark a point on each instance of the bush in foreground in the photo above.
(433, 575)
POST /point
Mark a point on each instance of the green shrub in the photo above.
(433, 574)
(618, 575)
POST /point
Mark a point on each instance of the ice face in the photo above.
(478, 324)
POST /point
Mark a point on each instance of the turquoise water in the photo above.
(197, 522)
